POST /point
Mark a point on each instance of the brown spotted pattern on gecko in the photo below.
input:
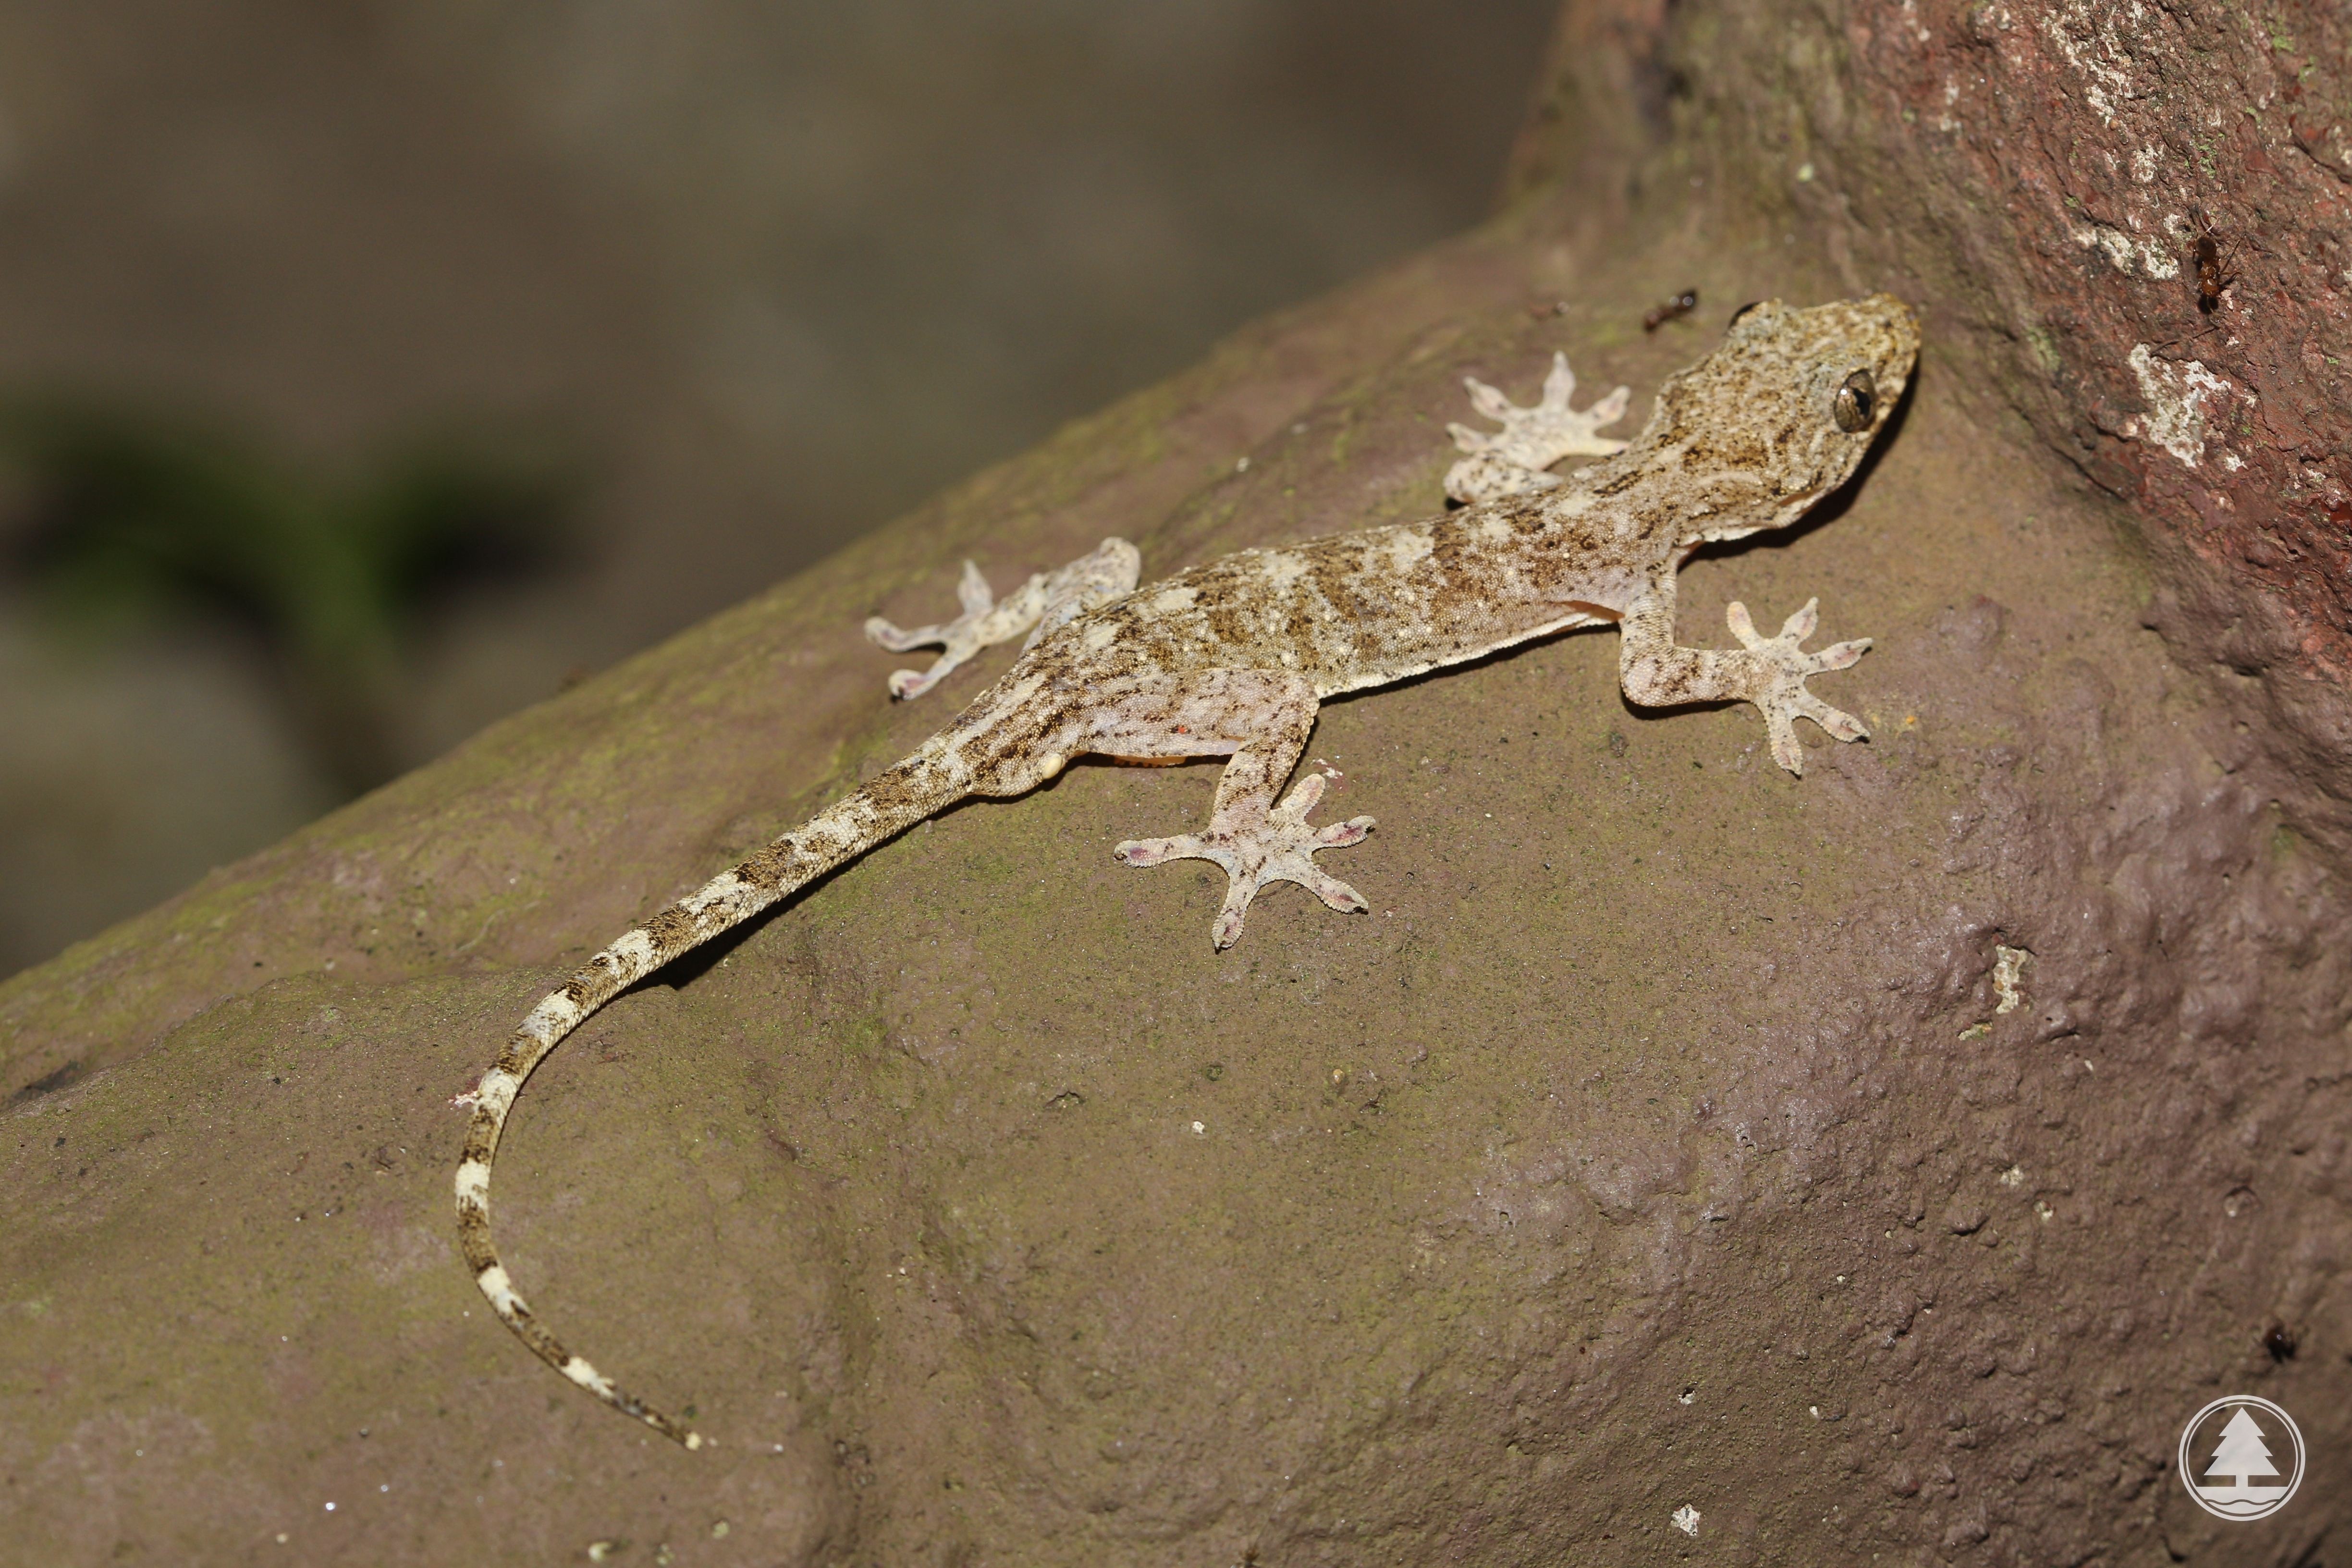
(1230, 659)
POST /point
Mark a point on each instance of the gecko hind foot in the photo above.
(1279, 848)
(962, 638)
(1784, 697)
(1046, 603)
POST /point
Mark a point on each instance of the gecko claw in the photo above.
(1278, 848)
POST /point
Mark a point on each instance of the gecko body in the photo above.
(1233, 658)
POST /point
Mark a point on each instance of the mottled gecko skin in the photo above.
(1230, 659)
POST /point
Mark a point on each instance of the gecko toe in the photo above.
(1340, 835)
(1158, 851)
(1785, 749)
(1303, 798)
(1329, 889)
(1837, 721)
(1839, 656)
(888, 635)
(1227, 928)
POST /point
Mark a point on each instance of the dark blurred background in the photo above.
(369, 370)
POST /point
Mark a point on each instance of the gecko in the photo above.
(1232, 658)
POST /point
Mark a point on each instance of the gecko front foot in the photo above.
(1781, 692)
(1277, 847)
(1511, 461)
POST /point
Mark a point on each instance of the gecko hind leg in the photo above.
(1263, 720)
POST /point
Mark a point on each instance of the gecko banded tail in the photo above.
(933, 778)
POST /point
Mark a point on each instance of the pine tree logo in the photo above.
(2241, 1457)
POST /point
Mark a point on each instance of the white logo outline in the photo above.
(2244, 1446)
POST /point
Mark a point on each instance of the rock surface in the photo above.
(1664, 1139)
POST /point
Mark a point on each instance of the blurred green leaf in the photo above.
(126, 515)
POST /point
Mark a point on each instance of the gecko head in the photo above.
(1782, 413)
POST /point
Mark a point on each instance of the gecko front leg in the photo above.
(1049, 599)
(1770, 672)
(1262, 719)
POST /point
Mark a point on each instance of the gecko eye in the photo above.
(1856, 399)
(1743, 311)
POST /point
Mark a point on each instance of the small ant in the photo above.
(1674, 310)
(2215, 257)
(2216, 264)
